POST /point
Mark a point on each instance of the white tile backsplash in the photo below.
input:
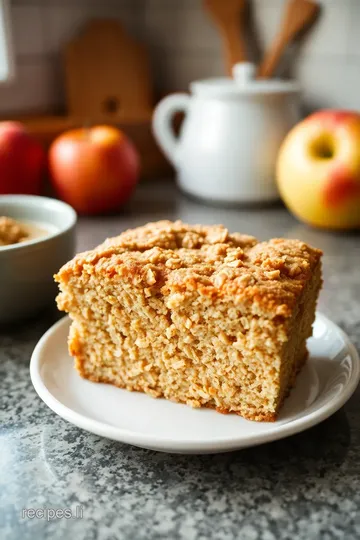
(27, 29)
(323, 65)
(329, 34)
(174, 72)
(184, 45)
(41, 28)
(353, 39)
(62, 22)
(267, 19)
(33, 89)
(328, 83)
(178, 28)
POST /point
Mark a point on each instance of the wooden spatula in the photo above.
(228, 15)
(299, 15)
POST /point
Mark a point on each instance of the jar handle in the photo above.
(162, 123)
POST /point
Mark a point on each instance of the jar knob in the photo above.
(243, 73)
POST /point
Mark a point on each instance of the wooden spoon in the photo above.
(299, 15)
(227, 15)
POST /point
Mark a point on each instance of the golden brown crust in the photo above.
(181, 258)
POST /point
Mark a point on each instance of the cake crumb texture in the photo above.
(194, 314)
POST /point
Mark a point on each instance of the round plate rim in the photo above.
(188, 446)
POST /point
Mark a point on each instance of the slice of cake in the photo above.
(193, 314)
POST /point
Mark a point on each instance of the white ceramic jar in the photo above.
(233, 128)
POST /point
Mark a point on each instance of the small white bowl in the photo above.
(27, 268)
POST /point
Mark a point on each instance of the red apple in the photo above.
(22, 160)
(94, 169)
(318, 169)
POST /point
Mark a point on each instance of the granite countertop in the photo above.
(304, 487)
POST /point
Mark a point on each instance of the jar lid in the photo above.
(243, 83)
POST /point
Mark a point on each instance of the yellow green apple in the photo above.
(318, 169)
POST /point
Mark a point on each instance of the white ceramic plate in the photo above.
(324, 385)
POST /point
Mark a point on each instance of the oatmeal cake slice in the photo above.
(194, 314)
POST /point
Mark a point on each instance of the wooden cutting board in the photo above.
(107, 75)
(107, 79)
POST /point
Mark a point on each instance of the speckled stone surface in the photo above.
(302, 488)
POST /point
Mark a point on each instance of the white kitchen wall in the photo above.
(184, 45)
(40, 30)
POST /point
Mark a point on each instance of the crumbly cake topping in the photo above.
(173, 236)
(180, 258)
(11, 231)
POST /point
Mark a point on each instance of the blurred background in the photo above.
(183, 45)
